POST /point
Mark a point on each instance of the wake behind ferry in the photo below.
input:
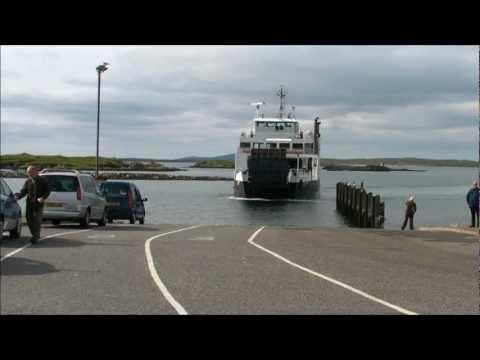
(276, 158)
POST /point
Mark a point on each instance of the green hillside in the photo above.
(21, 161)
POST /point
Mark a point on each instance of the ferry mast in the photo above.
(283, 94)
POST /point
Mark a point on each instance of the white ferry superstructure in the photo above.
(276, 158)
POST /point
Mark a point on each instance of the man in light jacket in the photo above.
(37, 190)
(410, 210)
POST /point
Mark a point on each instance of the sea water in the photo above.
(439, 191)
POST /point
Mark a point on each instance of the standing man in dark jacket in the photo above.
(37, 190)
(410, 210)
(473, 202)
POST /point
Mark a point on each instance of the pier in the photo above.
(361, 209)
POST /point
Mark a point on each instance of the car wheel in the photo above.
(17, 232)
(86, 220)
(56, 222)
(133, 219)
(142, 220)
(103, 220)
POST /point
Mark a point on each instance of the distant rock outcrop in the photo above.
(362, 168)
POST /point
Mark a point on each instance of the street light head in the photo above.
(102, 68)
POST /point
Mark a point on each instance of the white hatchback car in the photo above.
(73, 197)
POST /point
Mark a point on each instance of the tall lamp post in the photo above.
(100, 69)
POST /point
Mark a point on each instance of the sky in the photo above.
(166, 102)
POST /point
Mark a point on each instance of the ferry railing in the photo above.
(301, 174)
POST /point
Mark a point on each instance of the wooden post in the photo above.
(347, 212)
(342, 193)
(345, 202)
(357, 206)
(338, 195)
(361, 216)
(360, 208)
(365, 219)
(376, 210)
(370, 209)
(352, 202)
(382, 213)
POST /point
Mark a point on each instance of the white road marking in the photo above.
(101, 236)
(46, 237)
(151, 266)
(203, 238)
(327, 278)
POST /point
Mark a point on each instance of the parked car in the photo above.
(73, 197)
(124, 201)
(10, 212)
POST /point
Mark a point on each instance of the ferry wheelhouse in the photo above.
(277, 158)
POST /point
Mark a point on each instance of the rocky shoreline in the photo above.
(137, 176)
(140, 176)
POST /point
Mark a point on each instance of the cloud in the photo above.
(183, 100)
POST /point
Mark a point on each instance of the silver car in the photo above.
(73, 197)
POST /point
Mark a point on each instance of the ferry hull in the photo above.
(274, 191)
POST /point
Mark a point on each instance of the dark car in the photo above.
(124, 201)
(10, 212)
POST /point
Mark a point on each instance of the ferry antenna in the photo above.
(283, 94)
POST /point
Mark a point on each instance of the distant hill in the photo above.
(359, 161)
(201, 158)
(230, 157)
(20, 161)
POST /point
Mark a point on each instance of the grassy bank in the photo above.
(217, 164)
(21, 161)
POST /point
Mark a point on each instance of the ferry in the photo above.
(276, 158)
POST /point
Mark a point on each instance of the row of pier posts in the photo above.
(360, 208)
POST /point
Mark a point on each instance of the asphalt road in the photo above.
(172, 269)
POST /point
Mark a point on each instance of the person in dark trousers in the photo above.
(410, 210)
(37, 190)
(473, 202)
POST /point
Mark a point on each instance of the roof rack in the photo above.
(59, 170)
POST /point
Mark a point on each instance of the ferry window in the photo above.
(309, 163)
(271, 145)
(245, 145)
(298, 146)
(296, 128)
(260, 124)
(308, 147)
(292, 163)
(284, 146)
(259, 146)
